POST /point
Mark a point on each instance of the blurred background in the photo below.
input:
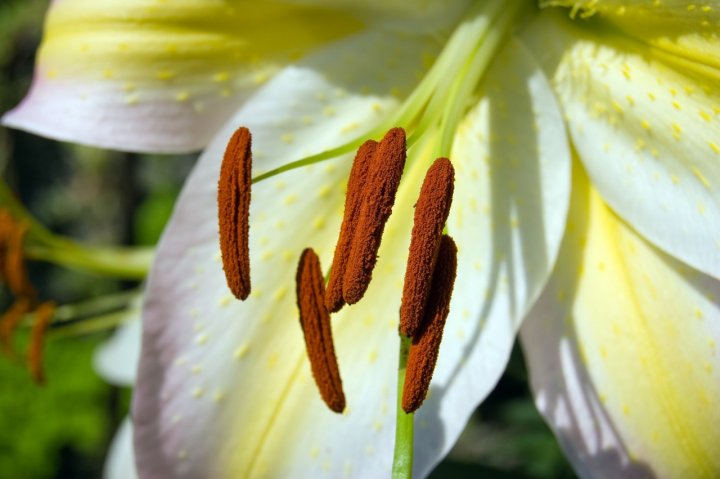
(63, 429)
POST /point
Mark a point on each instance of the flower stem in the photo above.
(403, 459)
(125, 262)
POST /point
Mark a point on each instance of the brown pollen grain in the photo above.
(315, 323)
(426, 344)
(43, 315)
(431, 212)
(234, 212)
(383, 179)
(356, 182)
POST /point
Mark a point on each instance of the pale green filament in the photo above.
(403, 457)
(442, 96)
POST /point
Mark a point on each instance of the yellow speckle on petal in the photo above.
(700, 176)
(241, 351)
(260, 78)
(182, 96)
(221, 77)
(165, 75)
(225, 300)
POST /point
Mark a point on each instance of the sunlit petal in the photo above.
(225, 386)
(511, 197)
(683, 29)
(622, 349)
(155, 76)
(647, 134)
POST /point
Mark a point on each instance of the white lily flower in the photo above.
(621, 345)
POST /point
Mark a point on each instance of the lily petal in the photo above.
(647, 134)
(120, 463)
(141, 76)
(682, 29)
(117, 359)
(225, 388)
(508, 216)
(622, 348)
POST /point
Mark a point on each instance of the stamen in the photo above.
(12, 238)
(358, 175)
(424, 349)
(383, 179)
(431, 212)
(315, 322)
(43, 316)
(9, 321)
(234, 212)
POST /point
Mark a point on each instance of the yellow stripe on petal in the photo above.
(643, 328)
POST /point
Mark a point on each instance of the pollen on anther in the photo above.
(431, 212)
(333, 296)
(426, 343)
(234, 212)
(315, 323)
(378, 197)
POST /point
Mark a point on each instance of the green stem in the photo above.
(41, 244)
(113, 303)
(125, 263)
(403, 459)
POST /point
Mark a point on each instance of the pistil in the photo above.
(426, 344)
(315, 323)
(431, 212)
(234, 212)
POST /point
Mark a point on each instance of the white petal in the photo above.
(511, 199)
(622, 349)
(120, 462)
(225, 386)
(142, 76)
(116, 360)
(647, 134)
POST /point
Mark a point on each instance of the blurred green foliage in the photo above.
(60, 429)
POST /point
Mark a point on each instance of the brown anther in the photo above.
(425, 345)
(234, 212)
(383, 179)
(43, 315)
(358, 176)
(10, 320)
(431, 212)
(12, 264)
(315, 323)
